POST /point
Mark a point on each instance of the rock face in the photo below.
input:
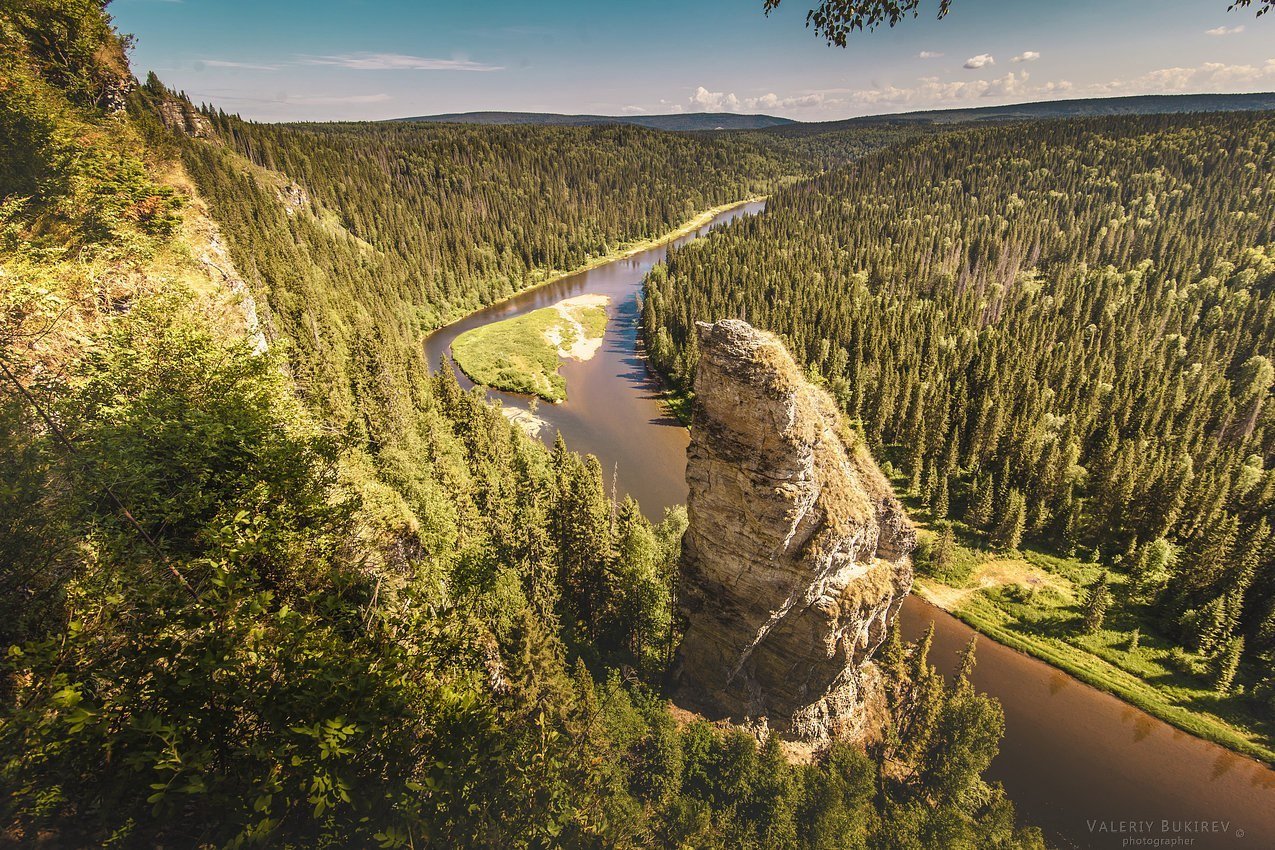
(181, 116)
(797, 556)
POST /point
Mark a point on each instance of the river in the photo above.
(1089, 769)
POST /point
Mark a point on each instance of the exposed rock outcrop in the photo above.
(293, 197)
(178, 114)
(217, 259)
(797, 556)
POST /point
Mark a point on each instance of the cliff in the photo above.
(179, 115)
(797, 556)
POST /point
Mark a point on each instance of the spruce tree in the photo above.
(1227, 664)
(943, 552)
(939, 503)
(979, 513)
(1009, 531)
(1097, 601)
(1203, 629)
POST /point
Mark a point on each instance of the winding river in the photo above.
(1091, 770)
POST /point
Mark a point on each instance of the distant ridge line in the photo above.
(681, 121)
(1148, 104)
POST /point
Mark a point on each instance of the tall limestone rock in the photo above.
(797, 556)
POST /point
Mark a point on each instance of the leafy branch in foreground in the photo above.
(835, 20)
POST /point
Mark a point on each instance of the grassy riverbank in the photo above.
(1031, 600)
(522, 354)
(544, 277)
(510, 355)
(628, 249)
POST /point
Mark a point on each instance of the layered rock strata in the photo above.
(797, 555)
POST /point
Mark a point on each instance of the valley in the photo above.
(861, 451)
(618, 413)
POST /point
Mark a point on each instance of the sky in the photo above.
(293, 60)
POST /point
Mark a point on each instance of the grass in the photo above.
(1030, 601)
(518, 375)
(544, 277)
(677, 402)
(522, 354)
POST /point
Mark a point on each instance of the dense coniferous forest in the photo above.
(313, 596)
(466, 215)
(366, 236)
(1059, 330)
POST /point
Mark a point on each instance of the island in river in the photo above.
(522, 354)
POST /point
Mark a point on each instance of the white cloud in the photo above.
(931, 92)
(799, 101)
(397, 62)
(1225, 30)
(226, 63)
(937, 92)
(633, 110)
(1026, 56)
(982, 60)
(704, 100)
(928, 54)
(1209, 76)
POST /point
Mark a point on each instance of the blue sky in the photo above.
(361, 59)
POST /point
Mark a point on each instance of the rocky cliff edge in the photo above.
(797, 555)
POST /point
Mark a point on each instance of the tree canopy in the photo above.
(837, 20)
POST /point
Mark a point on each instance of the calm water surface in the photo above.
(1091, 770)
(612, 408)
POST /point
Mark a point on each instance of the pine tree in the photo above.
(892, 661)
(964, 741)
(979, 513)
(916, 471)
(965, 667)
(1265, 632)
(939, 504)
(943, 552)
(1152, 569)
(1203, 629)
(1227, 664)
(1071, 525)
(1097, 601)
(1009, 531)
(925, 700)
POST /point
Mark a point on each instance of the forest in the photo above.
(402, 227)
(310, 595)
(1059, 333)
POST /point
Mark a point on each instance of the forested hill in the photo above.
(1061, 329)
(305, 594)
(1151, 104)
(681, 121)
(366, 236)
(1074, 108)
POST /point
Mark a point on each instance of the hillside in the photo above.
(269, 582)
(1061, 334)
(698, 121)
(682, 121)
(378, 233)
(1154, 104)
